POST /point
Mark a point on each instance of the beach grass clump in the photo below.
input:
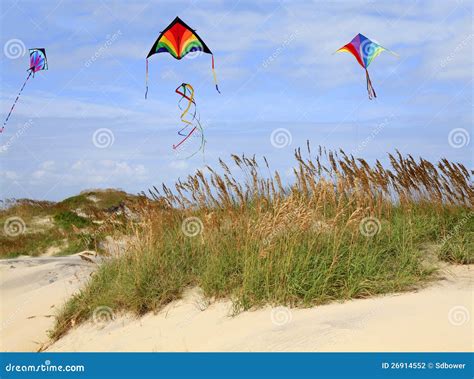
(31, 227)
(68, 220)
(342, 229)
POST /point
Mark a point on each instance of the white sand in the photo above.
(438, 318)
(31, 290)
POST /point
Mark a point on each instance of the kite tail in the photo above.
(214, 74)
(187, 92)
(370, 88)
(190, 99)
(146, 79)
(14, 103)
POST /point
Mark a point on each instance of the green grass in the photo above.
(66, 230)
(104, 199)
(68, 219)
(341, 230)
(300, 269)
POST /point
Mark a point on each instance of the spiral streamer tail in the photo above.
(192, 123)
(370, 88)
(16, 100)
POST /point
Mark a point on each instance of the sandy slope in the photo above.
(31, 289)
(438, 318)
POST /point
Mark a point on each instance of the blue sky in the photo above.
(84, 123)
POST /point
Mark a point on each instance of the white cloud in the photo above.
(179, 165)
(88, 172)
(47, 165)
(9, 175)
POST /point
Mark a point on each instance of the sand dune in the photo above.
(31, 290)
(432, 319)
(436, 318)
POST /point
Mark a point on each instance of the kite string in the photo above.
(370, 88)
(16, 100)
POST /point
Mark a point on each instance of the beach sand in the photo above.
(436, 318)
(31, 290)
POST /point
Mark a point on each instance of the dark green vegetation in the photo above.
(343, 229)
(37, 227)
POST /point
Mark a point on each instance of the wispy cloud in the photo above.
(276, 69)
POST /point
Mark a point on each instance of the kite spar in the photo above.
(38, 62)
(365, 51)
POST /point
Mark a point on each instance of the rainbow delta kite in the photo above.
(365, 51)
(38, 62)
(179, 39)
